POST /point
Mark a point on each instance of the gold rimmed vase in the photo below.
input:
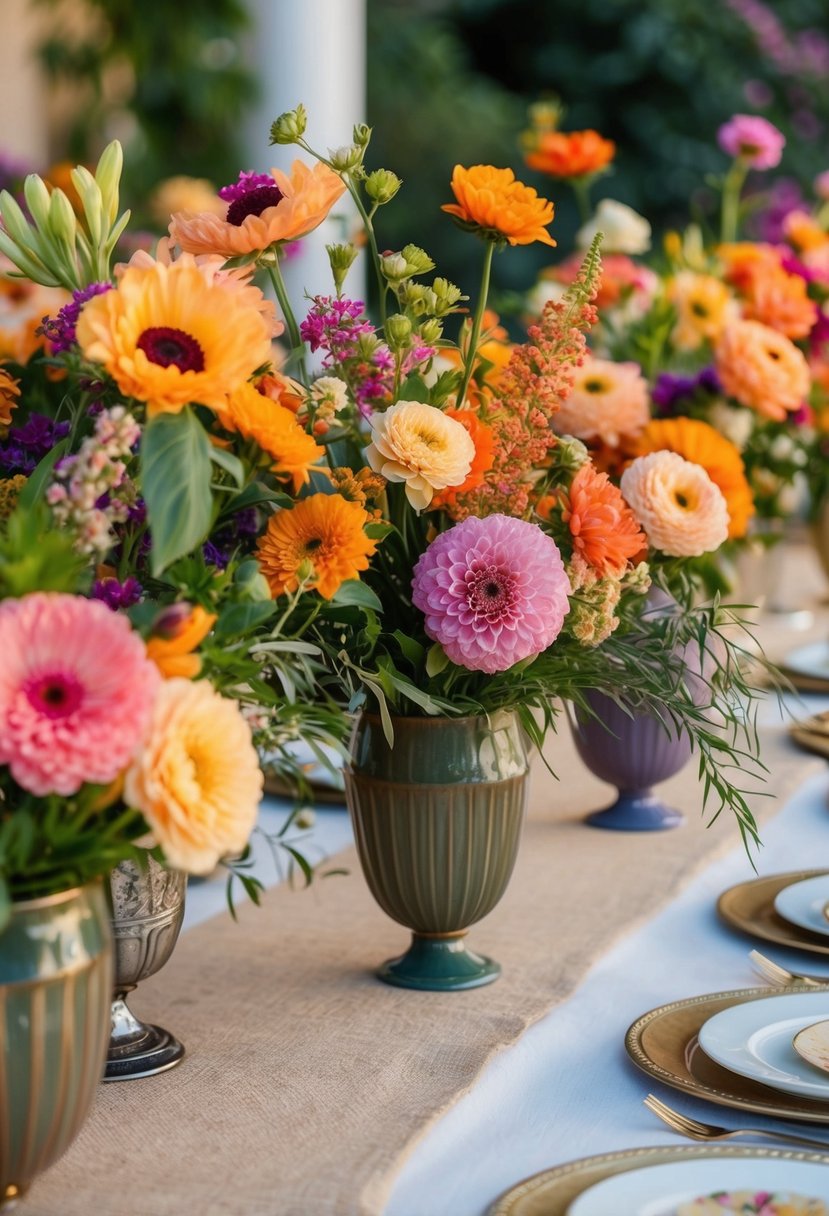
(437, 822)
(147, 913)
(55, 987)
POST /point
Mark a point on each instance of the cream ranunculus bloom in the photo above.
(625, 230)
(418, 444)
(679, 507)
(197, 779)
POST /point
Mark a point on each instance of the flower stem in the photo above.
(581, 189)
(731, 191)
(297, 347)
(476, 324)
(372, 240)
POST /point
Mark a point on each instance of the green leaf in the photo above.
(436, 660)
(175, 482)
(230, 463)
(353, 592)
(412, 650)
(34, 488)
(255, 495)
(240, 618)
(414, 388)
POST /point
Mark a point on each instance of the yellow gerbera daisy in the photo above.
(171, 335)
(324, 532)
(277, 432)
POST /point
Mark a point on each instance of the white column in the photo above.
(314, 52)
(22, 85)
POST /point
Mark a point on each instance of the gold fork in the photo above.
(694, 1130)
(781, 976)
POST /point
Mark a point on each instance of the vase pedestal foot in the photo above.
(439, 964)
(636, 811)
(138, 1049)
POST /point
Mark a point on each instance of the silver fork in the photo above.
(781, 976)
(694, 1130)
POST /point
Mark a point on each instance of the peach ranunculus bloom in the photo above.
(743, 261)
(782, 302)
(607, 400)
(605, 532)
(680, 509)
(196, 779)
(421, 446)
(492, 201)
(570, 153)
(704, 306)
(762, 369)
(294, 206)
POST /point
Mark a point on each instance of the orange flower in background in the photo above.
(700, 444)
(804, 232)
(743, 261)
(604, 529)
(171, 335)
(9, 393)
(180, 629)
(283, 390)
(782, 302)
(324, 534)
(481, 435)
(620, 276)
(294, 206)
(492, 200)
(762, 369)
(703, 305)
(570, 153)
(277, 432)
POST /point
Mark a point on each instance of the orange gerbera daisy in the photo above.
(289, 209)
(180, 631)
(324, 533)
(761, 369)
(700, 444)
(277, 432)
(604, 529)
(9, 392)
(493, 201)
(781, 301)
(570, 153)
(482, 437)
(171, 335)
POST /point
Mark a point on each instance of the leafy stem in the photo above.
(472, 349)
(297, 346)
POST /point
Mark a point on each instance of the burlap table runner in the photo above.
(307, 1082)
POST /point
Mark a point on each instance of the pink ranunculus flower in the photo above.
(76, 692)
(755, 139)
(494, 592)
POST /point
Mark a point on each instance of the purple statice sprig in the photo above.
(670, 392)
(60, 329)
(26, 445)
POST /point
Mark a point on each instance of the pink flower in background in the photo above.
(755, 139)
(493, 591)
(821, 185)
(76, 692)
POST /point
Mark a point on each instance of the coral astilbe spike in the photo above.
(530, 390)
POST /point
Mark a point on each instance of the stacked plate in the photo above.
(784, 908)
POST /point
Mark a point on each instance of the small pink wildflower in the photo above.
(757, 141)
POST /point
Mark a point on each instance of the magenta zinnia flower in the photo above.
(76, 692)
(755, 139)
(493, 591)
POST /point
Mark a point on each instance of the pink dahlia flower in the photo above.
(76, 692)
(493, 591)
(755, 139)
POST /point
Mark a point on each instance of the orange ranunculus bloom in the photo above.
(277, 432)
(604, 529)
(171, 650)
(782, 302)
(493, 201)
(804, 232)
(482, 437)
(306, 197)
(762, 369)
(326, 532)
(9, 392)
(570, 153)
(743, 261)
(698, 442)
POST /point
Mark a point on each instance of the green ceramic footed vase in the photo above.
(437, 820)
(55, 993)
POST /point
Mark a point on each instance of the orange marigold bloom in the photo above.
(570, 153)
(761, 369)
(9, 392)
(171, 335)
(171, 650)
(305, 199)
(604, 529)
(699, 443)
(782, 302)
(324, 533)
(492, 200)
(277, 432)
(482, 437)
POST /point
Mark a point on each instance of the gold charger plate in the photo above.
(664, 1044)
(321, 795)
(552, 1191)
(749, 906)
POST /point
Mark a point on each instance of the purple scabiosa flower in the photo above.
(494, 591)
(60, 330)
(670, 392)
(246, 181)
(755, 140)
(116, 594)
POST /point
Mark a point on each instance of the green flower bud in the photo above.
(361, 134)
(382, 185)
(366, 346)
(398, 331)
(418, 260)
(570, 453)
(90, 195)
(431, 331)
(447, 296)
(289, 128)
(394, 267)
(252, 582)
(341, 259)
(63, 224)
(37, 199)
(346, 158)
(418, 299)
(108, 176)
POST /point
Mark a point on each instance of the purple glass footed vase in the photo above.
(633, 753)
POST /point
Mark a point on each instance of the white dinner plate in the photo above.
(659, 1189)
(755, 1039)
(803, 902)
(809, 660)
